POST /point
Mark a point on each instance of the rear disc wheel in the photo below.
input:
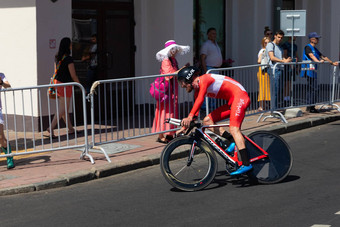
(279, 162)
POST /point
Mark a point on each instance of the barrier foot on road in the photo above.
(91, 158)
(258, 119)
(274, 114)
(337, 107)
(87, 155)
(103, 151)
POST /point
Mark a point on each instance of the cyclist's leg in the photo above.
(221, 113)
(237, 113)
(238, 109)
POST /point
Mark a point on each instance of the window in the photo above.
(207, 15)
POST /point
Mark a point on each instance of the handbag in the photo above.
(264, 60)
(159, 89)
(51, 92)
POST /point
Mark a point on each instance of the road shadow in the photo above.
(222, 179)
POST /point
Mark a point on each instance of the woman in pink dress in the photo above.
(169, 107)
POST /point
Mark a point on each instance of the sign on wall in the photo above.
(293, 22)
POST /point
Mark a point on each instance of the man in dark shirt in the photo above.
(311, 53)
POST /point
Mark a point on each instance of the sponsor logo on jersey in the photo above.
(239, 106)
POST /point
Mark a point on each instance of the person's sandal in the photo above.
(161, 141)
(169, 138)
(49, 135)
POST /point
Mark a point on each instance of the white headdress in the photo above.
(169, 45)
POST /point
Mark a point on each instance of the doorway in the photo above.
(113, 23)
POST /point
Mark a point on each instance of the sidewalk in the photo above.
(62, 168)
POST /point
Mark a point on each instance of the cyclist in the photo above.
(221, 87)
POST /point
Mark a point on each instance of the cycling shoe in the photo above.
(242, 169)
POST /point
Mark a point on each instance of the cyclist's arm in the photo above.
(195, 109)
(186, 121)
(199, 100)
(205, 81)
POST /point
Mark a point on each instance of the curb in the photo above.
(113, 169)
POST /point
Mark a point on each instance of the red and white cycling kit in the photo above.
(222, 87)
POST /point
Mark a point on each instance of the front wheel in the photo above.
(279, 162)
(188, 175)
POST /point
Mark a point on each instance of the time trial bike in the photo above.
(189, 162)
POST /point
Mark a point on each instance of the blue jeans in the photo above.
(278, 88)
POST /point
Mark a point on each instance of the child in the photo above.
(3, 141)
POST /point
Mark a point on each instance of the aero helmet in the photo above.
(187, 74)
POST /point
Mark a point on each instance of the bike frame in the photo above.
(234, 159)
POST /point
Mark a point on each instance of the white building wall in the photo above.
(322, 17)
(54, 22)
(18, 58)
(246, 19)
(245, 22)
(27, 59)
(156, 22)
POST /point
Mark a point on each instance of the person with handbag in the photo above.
(3, 141)
(167, 108)
(262, 76)
(64, 72)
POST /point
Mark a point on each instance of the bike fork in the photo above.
(191, 156)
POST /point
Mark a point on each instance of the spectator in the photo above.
(290, 69)
(65, 74)
(268, 33)
(275, 54)
(211, 57)
(91, 58)
(311, 53)
(168, 108)
(3, 141)
(262, 76)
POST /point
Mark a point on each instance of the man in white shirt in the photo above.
(211, 56)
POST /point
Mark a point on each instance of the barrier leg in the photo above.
(276, 114)
(331, 104)
(103, 151)
(258, 119)
(90, 156)
(85, 153)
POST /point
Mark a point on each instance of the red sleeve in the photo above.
(205, 81)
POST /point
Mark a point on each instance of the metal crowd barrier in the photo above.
(335, 91)
(25, 127)
(294, 88)
(289, 88)
(123, 109)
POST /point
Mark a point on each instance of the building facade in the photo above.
(131, 32)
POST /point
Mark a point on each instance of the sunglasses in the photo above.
(269, 33)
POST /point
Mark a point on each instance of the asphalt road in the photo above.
(309, 196)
